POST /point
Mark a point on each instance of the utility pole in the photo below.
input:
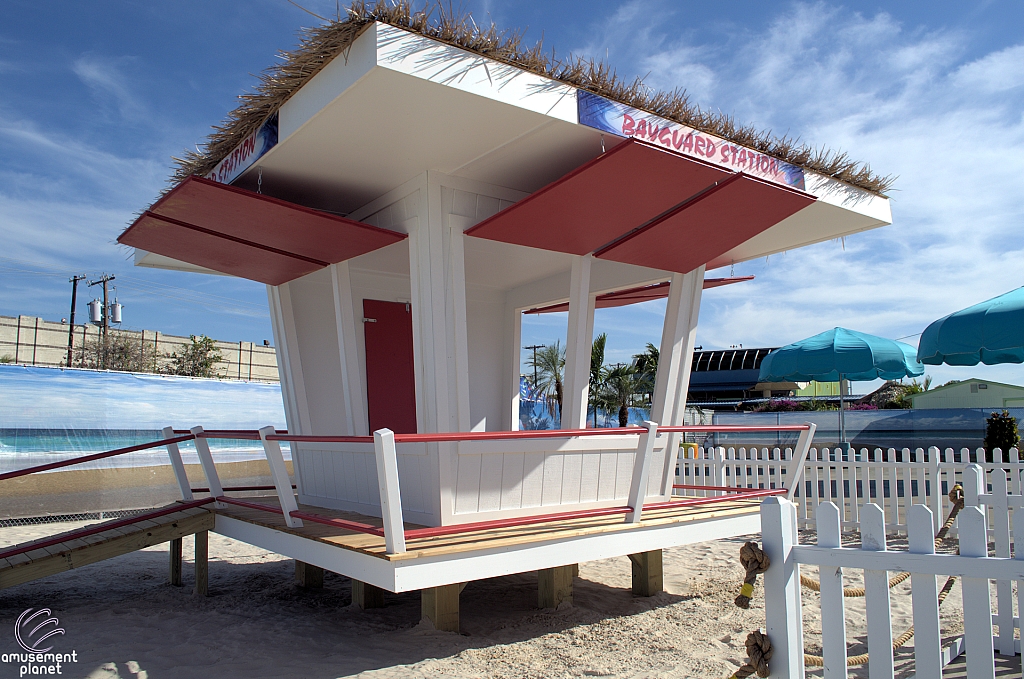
(71, 321)
(105, 317)
(534, 347)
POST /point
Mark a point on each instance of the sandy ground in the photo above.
(124, 620)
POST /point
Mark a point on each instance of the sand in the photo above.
(124, 620)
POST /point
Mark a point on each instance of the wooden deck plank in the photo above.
(479, 539)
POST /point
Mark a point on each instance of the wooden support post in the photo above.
(648, 577)
(554, 585)
(440, 605)
(366, 596)
(174, 576)
(202, 563)
(308, 576)
(575, 570)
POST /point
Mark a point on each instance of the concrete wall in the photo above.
(32, 341)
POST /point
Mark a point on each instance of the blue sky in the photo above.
(96, 98)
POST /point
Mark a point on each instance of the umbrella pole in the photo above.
(842, 415)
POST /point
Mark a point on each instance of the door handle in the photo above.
(369, 320)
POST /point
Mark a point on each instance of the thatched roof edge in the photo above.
(320, 44)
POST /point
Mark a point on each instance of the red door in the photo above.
(390, 375)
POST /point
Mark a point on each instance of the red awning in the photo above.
(249, 235)
(707, 225)
(601, 200)
(645, 293)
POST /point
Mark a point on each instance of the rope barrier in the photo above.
(755, 562)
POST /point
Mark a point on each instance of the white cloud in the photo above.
(103, 75)
(993, 73)
(896, 96)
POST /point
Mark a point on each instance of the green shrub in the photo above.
(1000, 432)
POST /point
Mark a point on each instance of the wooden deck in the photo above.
(477, 539)
(76, 551)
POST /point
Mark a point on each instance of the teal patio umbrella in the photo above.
(840, 354)
(990, 332)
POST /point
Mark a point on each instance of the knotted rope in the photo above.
(755, 562)
(759, 652)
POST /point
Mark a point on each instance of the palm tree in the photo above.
(646, 365)
(624, 386)
(550, 365)
(597, 374)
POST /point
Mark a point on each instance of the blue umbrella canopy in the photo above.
(990, 332)
(855, 356)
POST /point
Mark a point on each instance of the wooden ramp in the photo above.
(74, 549)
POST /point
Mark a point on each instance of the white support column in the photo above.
(782, 589)
(279, 473)
(676, 353)
(354, 412)
(455, 312)
(178, 466)
(289, 368)
(578, 346)
(390, 491)
(437, 277)
(514, 335)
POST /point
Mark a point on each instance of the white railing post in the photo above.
(390, 492)
(924, 597)
(795, 470)
(876, 596)
(784, 622)
(206, 459)
(177, 465)
(1004, 590)
(833, 616)
(1018, 532)
(641, 469)
(279, 472)
(977, 602)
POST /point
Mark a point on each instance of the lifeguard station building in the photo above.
(406, 191)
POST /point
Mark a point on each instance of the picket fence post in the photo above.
(833, 617)
(924, 597)
(876, 596)
(784, 621)
(977, 602)
(1004, 589)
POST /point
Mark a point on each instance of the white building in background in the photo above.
(972, 393)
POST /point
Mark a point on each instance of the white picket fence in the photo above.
(973, 565)
(893, 479)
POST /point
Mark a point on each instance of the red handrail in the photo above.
(242, 434)
(536, 434)
(728, 489)
(90, 458)
(102, 527)
(207, 490)
(728, 428)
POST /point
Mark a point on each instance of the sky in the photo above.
(95, 99)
